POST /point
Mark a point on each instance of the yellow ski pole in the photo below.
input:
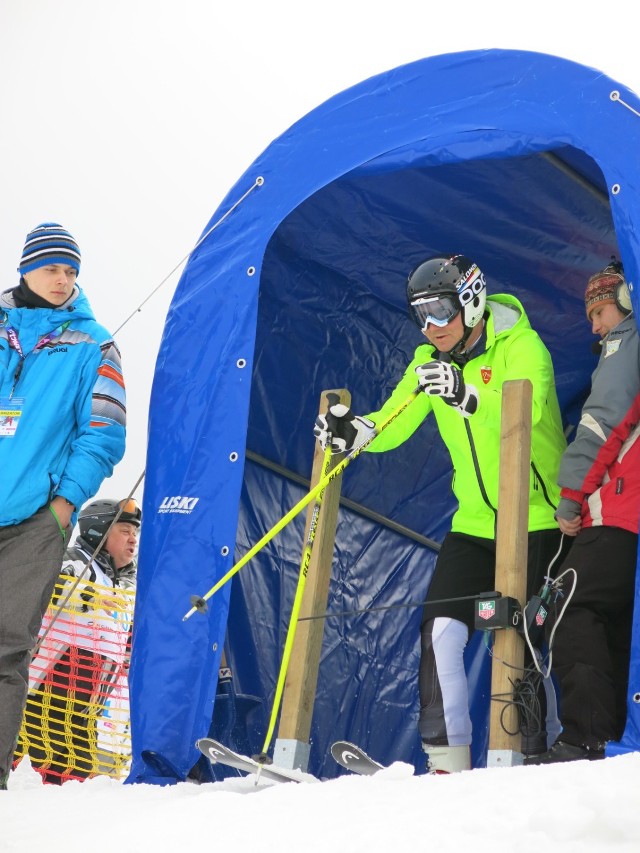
(305, 560)
(200, 602)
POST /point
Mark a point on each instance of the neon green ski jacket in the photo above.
(513, 351)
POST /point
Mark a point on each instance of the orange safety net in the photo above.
(76, 723)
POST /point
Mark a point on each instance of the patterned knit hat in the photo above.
(602, 288)
(49, 243)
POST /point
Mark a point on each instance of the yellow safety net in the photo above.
(76, 723)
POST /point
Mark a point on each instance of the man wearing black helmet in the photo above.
(117, 551)
(86, 650)
(474, 345)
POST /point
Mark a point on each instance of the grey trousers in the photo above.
(31, 556)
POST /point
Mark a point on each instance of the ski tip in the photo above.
(354, 758)
(344, 752)
(211, 748)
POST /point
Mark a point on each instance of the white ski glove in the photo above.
(442, 380)
(347, 430)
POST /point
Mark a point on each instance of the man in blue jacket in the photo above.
(62, 430)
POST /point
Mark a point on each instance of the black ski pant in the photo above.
(592, 642)
(465, 568)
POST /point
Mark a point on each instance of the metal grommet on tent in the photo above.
(224, 550)
(615, 96)
(251, 271)
(241, 362)
(259, 181)
(636, 698)
(615, 189)
(233, 456)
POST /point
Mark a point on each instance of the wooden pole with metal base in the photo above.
(511, 568)
(292, 743)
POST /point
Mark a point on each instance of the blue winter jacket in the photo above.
(72, 429)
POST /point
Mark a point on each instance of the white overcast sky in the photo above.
(128, 121)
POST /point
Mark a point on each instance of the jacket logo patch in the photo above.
(57, 349)
(612, 347)
(485, 372)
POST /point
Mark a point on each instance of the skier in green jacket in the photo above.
(474, 345)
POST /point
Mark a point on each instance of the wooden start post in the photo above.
(292, 744)
(511, 567)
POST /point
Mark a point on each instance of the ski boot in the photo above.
(561, 752)
(447, 759)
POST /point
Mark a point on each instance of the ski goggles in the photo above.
(130, 511)
(438, 310)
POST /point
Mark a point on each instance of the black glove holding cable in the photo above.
(346, 429)
(439, 379)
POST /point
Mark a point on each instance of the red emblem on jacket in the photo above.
(485, 372)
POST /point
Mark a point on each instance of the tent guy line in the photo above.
(257, 183)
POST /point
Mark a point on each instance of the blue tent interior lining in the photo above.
(501, 155)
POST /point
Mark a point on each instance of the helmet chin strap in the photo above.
(460, 347)
(459, 351)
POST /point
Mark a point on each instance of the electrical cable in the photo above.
(544, 595)
(526, 689)
(408, 604)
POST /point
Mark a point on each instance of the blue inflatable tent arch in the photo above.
(525, 162)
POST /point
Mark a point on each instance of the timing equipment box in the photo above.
(493, 610)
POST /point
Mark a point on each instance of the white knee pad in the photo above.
(449, 638)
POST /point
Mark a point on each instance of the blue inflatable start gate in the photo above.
(526, 163)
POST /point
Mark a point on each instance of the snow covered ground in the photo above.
(584, 806)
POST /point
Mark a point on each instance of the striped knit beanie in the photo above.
(602, 288)
(49, 243)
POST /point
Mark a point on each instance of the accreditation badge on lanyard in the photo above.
(10, 414)
(11, 407)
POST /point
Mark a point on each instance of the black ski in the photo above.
(355, 759)
(220, 754)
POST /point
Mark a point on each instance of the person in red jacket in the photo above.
(600, 506)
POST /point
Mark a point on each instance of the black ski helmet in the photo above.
(453, 276)
(96, 518)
